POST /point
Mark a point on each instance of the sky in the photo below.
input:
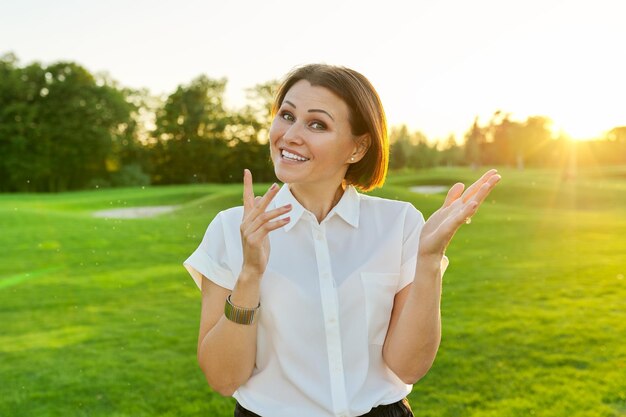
(436, 64)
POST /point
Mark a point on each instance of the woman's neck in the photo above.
(316, 198)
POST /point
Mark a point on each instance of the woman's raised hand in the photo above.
(256, 224)
(457, 209)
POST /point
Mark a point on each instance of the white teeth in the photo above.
(292, 156)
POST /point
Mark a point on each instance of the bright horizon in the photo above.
(435, 66)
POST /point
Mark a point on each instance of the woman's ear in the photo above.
(361, 145)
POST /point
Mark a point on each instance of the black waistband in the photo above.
(397, 409)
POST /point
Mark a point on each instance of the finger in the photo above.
(454, 222)
(452, 217)
(255, 232)
(443, 212)
(455, 192)
(261, 204)
(476, 186)
(445, 231)
(462, 217)
(248, 193)
(472, 206)
(260, 234)
(266, 217)
(277, 224)
(453, 195)
(485, 189)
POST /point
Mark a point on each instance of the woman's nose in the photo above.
(293, 133)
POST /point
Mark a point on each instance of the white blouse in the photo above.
(326, 301)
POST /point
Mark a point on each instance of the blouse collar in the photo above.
(347, 208)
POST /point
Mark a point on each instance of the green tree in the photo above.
(422, 154)
(501, 134)
(11, 128)
(533, 143)
(195, 111)
(190, 131)
(198, 140)
(400, 147)
(451, 154)
(474, 141)
(58, 126)
(259, 109)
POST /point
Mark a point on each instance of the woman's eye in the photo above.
(318, 125)
(287, 116)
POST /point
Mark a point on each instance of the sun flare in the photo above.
(578, 130)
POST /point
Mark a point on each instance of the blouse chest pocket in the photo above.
(380, 290)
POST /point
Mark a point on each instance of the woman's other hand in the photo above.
(458, 207)
(256, 225)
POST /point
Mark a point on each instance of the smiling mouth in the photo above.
(292, 156)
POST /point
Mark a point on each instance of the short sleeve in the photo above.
(413, 223)
(211, 258)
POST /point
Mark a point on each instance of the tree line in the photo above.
(508, 142)
(64, 128)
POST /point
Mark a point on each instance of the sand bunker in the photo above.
(134, 212)
(429, 189)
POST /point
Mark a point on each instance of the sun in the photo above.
(579, 129)
(586, 118)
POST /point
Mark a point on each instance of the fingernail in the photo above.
(287, 206)
(273, 187)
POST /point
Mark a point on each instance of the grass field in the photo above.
(98, 317)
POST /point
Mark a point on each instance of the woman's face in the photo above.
(310, 138)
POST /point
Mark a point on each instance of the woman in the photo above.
(343, 314)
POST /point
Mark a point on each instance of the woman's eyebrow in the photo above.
(321, 111)
(311, 110)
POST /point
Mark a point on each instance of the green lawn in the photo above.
(98, 317)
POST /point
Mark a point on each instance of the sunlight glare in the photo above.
(581, 129)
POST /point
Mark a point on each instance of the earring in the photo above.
(352, 159)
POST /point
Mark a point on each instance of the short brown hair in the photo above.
(366, 116)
